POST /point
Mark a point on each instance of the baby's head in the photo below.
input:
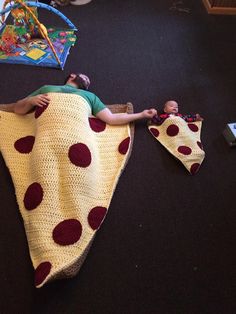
(171, 106)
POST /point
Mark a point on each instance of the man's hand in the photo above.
(39, 100)
(25, 105)
(149, 113)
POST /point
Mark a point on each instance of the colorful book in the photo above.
(36, 55)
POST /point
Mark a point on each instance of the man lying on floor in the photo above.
(65, 160)
(76, 84)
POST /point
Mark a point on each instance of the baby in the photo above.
(171, 108)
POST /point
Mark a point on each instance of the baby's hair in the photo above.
(168, 101)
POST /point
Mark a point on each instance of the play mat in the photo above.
(28, 41)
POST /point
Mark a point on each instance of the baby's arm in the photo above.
(192, 117)
(159, 118)
(198, 117)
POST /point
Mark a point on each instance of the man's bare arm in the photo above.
(25, 105)
(122, 118)
(7, 107)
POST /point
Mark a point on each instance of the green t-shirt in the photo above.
(95, 103)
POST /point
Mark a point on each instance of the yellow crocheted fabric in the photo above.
(182, 140)
(65, 165)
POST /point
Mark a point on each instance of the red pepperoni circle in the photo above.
(172, 130)
(96, 216)
(97, 125)
(193, 127)
(124, 146)
(80, 155)
(67, 232)
(41, 272)
(194, 168)
(33, 196)
(154, 132)
(39, 111)
(185, 150)
(200, 145)
(24, 145)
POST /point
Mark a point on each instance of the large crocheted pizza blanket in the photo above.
(65, 165)
(182, 139)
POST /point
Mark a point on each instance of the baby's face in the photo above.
(171, 107)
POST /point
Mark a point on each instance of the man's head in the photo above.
(78, 80)
(171, 106)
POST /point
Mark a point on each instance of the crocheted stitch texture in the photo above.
(65, 165)
(182, 140)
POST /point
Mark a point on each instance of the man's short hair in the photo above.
(81, 80)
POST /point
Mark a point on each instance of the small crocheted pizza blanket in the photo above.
(65, 165)
(182, 140)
